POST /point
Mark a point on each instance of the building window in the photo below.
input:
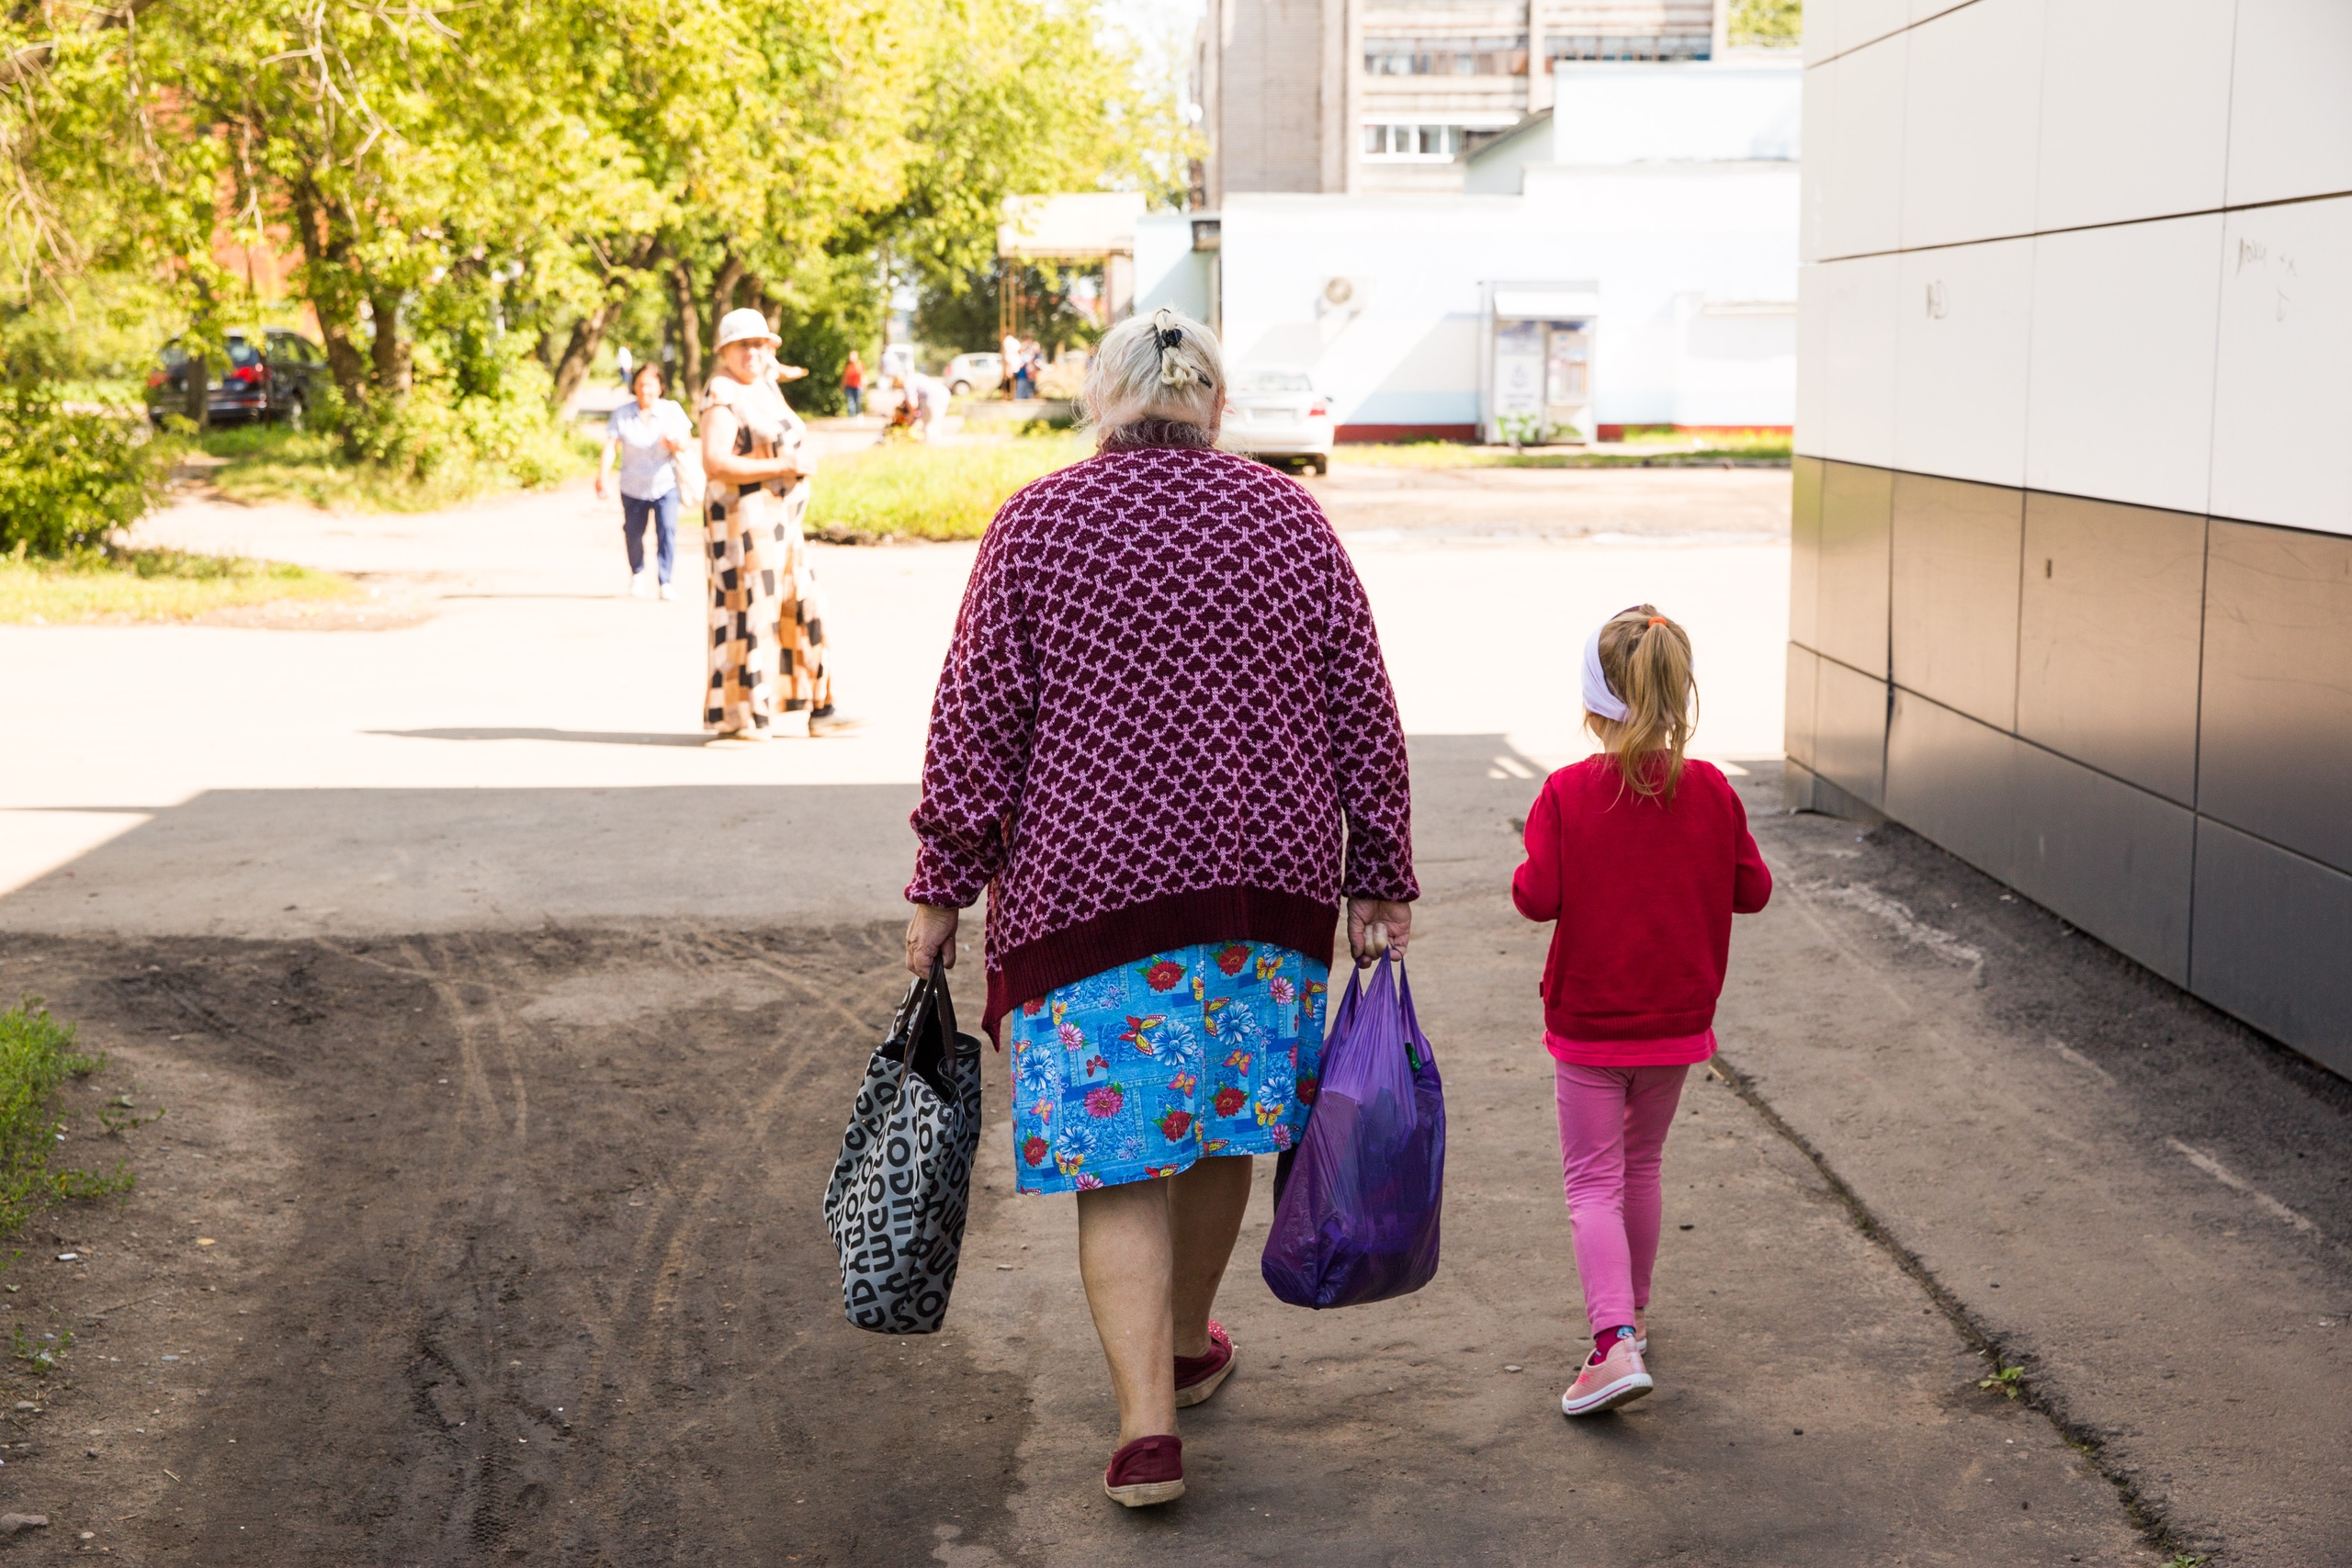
(1445, 56)
(1420, 142)
(1628, 46)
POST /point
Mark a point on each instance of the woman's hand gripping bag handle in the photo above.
(1358, 1220)
(902, 1185)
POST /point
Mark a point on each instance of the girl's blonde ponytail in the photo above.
(1646, 659)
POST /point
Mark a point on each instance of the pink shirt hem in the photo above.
(1682, 1051)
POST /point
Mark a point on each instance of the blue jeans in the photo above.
(663, 512)
(856, 396)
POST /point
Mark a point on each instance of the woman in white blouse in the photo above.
(647, 435)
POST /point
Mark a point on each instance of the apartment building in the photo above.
(1384, 96)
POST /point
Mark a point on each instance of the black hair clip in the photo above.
(1170, 337)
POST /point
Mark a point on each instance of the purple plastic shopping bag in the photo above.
(1358, 1219)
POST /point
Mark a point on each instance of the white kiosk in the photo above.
(1536, 384)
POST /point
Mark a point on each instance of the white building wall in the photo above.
(2045, 246)
(2093, 257)
(1728, 110)
(1169, 271)
(1666, 244)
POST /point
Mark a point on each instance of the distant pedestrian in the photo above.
(1642, 856)
(1164, 743)
(1024, 372)
(853, 385)
(901, 426)
(930, 399)
(647, 434)
(768, 653)
(1008, 363)
(624, 361)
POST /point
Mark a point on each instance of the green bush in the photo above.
(69, 479)
(931, 492)
(448, 439)
(37, 1054)
(1766, 23)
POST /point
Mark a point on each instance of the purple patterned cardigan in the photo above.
(1164, 719)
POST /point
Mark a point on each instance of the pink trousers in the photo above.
(1613, 1122)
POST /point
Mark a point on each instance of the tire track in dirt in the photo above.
(574, 1305)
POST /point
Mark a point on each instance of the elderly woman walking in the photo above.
(1164, 742)
(767, 621)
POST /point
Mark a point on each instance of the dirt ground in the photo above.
(506, 1034)
(517, 1257)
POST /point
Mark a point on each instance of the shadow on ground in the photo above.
(518, 1252)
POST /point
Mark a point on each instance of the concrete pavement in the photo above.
(524, 758)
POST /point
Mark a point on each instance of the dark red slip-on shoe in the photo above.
(1197, 1377)
(1147, 1471)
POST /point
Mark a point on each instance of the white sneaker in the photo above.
(669, 591)
(1619, 1379)
(638, 584)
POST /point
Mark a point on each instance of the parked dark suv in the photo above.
(277, 381)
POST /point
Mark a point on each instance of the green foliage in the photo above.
(911, 491)
(1769, 23)
(98, 335)
(121, 1115)
(38, 1354)
(444, 441)
(2008, 1380)
(67, 480)
(1520, 429)
(319, 469)
(1751, 451)
(82, 1185)
(476, 197)
(151, 585)
(37, 1055)
(959, 315)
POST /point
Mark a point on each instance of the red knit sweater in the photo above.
(1164, 719)
(1644, 893)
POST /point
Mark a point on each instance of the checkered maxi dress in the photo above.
(767, 613)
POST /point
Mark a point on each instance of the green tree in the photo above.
(1770, 24)
(478, 193)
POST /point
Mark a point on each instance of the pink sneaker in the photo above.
(1147, 1471)
(1619, 1379)
(1197, 1377)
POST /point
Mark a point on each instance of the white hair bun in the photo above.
(1173, 370)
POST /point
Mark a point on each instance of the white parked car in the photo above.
(970, 373)
(1276, 413)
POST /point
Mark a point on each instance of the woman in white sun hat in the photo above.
(767, 621)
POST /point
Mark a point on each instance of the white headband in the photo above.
(1598, 700)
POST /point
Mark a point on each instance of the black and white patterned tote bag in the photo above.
(903, 1183)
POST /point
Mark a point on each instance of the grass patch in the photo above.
(266, 463)
(1661, 452)
(37, 1055)
(151, 585)
(913, 491)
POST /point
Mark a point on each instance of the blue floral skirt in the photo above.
(1138, 1071)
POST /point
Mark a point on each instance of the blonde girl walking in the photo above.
(1641, 856)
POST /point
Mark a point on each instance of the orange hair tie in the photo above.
(1657, 620)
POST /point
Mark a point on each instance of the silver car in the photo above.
(970, 373)
(1277, 415)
